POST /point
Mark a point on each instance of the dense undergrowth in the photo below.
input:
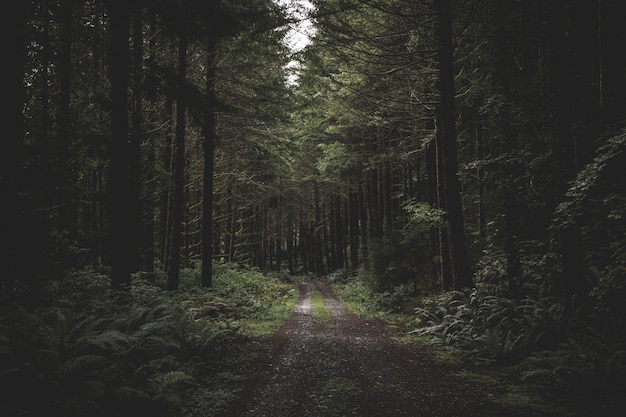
(576, 363)
(151, 352)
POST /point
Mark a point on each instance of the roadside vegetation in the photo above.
(148, 352)
(517, 345)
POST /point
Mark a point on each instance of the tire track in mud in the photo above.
(353, 367)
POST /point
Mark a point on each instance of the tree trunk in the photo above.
(613, 65)
(510, 168)
(317, 233)
(64, 190)
(165, 200)
(136, 244)
(209, 168)
(173, 275)
(445, 265)
(461, 274)
(433, 200)
(121, 220)
(363, 221)
(13, 31)
(340, 232)
(354, 228)
(564, 159)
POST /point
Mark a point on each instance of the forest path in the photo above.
(343, 365)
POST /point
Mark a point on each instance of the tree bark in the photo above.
(504, 62)
(64, 192)
(354, 229)
(206, 276)
(173, 275)
(13, 31)
(458, 252)
(121, 220)
(136, 244)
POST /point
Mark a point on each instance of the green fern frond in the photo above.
(172, 379)
(80, 329)
(108, 341)
(81, 364)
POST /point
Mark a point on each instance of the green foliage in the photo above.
(144, 353)
(590, 186)
(403, 255)
(359, 293)
(338, 162)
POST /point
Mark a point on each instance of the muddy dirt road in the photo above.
(347, 366)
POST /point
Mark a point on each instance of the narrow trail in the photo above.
(348, 366)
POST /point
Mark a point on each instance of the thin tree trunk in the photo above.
(136, 244)
(317, 234)
(64, 194)
(433, 199)
(456, 230)
(480, 176)
(354, 229)
(206, 277)
(340, 231)
(229, 237)
(149, 209)
(509, 170)
(121, 220)
(173, 275)
(445, 266)
(363, 220)
(290, 242)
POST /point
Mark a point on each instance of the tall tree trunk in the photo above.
(206, 277)
(121, 220)
(13, 32)
(317, 234)
(151, 203)
(613, 65)
(354, 228)
(445, 264)
(560, 95)
(505, 61)
(64, 190)
(340, 231)
(136, 244)
(454, 214)
(363, 221)
(433, 200)
(388, 195)
(332, 237)
(229, 237)
(165, 198)
(178, 203)
(480, 176)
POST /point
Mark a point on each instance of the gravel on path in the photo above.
(350, 366)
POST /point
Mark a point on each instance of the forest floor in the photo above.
(326, 361)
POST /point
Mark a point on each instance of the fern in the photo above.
(81, 364)
(110, 341)
(172, 379)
